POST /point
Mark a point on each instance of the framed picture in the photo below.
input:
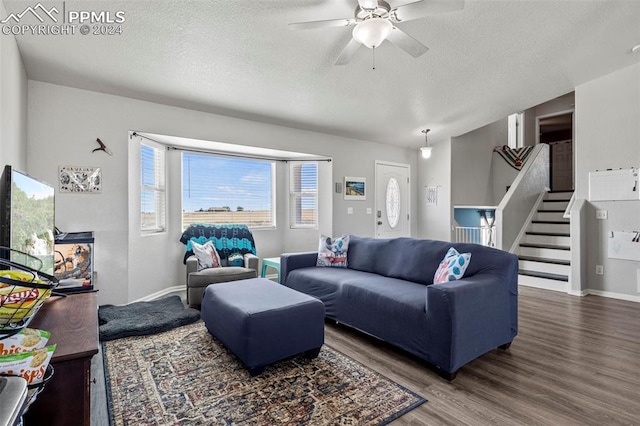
(80, 179)
(355, 188)
(432, 195)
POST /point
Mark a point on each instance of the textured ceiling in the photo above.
(239, 58)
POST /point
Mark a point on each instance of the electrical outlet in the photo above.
(599, 270)
(601, 214)
(349, 210)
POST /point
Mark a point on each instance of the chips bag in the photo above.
(25, 341)
(31, 366)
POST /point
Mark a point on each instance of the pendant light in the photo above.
(426, 149)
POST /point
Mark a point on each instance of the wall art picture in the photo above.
(80, 179)
(355, 188)
(432, 195)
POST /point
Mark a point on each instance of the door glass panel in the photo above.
(393, 202)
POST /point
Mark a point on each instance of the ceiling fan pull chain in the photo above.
(373, 60)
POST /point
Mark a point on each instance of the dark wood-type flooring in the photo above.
(575, 361)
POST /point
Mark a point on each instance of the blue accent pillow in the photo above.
(332, 252)
(235, 259)
(452, 266)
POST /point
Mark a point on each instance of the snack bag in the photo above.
(31, 366)
(18, 303)
(25, 341)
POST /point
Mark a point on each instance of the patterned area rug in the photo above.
(185, 376)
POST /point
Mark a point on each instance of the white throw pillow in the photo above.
(333, 251)
(206, 254)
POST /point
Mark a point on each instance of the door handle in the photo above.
(379, 222)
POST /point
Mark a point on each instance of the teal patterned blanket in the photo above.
(228, 238)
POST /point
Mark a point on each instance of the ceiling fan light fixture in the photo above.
(368, 4)
(372, 32)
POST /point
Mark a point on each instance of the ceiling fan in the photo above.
(375, 20)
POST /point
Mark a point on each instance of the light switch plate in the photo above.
(601, 214)
(369, 210)
(349, 210)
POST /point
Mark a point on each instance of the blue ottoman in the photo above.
(262, 322)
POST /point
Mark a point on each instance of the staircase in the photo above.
(545, 251)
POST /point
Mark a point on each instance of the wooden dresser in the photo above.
(73, 324)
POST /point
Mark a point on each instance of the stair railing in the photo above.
(522, 196)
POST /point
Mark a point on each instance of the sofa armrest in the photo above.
(251, 261)
(192, 265)
(471, 316)
(291, 261)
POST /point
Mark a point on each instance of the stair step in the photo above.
(558, 195)
(550, 234)
(545, 275)
(545, 260)
(551, 240)
(553, 227)
(554, 205)
(544, 283)
(545, 246)
(554, 222)
(549, 215)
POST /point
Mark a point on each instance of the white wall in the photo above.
(63, 124)
(434, 222)
(13, 103)
(502, 176)
(471, 171)
(608, 136)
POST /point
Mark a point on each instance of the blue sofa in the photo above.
(387, 291)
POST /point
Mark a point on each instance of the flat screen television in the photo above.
(27, 217)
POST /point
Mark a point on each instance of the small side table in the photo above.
(273, 262)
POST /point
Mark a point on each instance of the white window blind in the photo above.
(218, 189)
(152, 188)
(303, 194)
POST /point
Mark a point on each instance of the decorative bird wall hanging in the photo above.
(102, 147)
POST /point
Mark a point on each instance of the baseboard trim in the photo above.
(546, 286)
(612, 295)
(580, 293)
(162, 293)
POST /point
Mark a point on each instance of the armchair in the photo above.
(228, 240)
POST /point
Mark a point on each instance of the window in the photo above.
(303, 194)
(152, 187)
(217, 189)
(515, 133)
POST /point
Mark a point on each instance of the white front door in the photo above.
(392, 200)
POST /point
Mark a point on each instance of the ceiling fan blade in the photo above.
(368, 4)
(348, 52)
(423, 8)
(407, 43)
(322, 24)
